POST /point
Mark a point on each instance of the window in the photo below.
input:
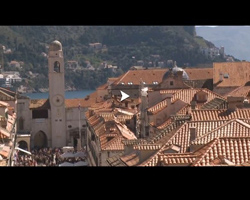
(130, 83)
(171, 82)
(226, 75)
(69, 126)
(155, 82)
(122, 83)
(56, 66)
(144, 82)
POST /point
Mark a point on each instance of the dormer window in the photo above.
(155, 82)
(130, 83)
(226, 75)
(144, 82)
(122, 83)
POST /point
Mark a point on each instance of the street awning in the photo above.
(17, 148)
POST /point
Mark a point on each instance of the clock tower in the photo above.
(56, 94)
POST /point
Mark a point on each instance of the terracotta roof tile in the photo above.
(110, 140)
(84, 102)
(39, 104)
(115, 160)
(134, 142)
(240, 91)
(222, 114)
(232, 128)
(216, 103)
(234, 149)
(199, 73)
(182, 136)
(185, 95)
(131, 159)
(165, 124)
(114, 145)
(177, 159)
(239, 73)
(150, 75)
(148, 147)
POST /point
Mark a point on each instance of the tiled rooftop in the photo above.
(39, 104)
(182, 136)
(216, 103)
(240, 91)
(151, 75)
(110, 140)
(221, 114)
(237, 73)
(183, 159)
(230, 151)
(131, 159)
(185, 95)
(234, 149)
(84, 102)
(232, 128)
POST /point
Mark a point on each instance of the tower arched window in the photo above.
(56, 66)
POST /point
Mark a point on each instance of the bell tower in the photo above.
(56, 94)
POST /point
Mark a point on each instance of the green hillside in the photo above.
(125, 45)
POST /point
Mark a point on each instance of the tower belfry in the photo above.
(57, 94)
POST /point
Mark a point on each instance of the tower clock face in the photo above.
(57, 100)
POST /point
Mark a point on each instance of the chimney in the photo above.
(168, 98)
(193, 105)
(221, 77)
(193, 133)
(235, 102)
(246, 103)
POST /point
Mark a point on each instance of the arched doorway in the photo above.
(40, 140)
(23, 145)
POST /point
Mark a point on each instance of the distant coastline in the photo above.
(70, 94)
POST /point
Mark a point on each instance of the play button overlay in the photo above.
(124, 95)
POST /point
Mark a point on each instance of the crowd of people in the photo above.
(45, 157)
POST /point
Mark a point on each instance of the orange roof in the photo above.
(84, 102)
(151, 75)
(181, 137)
(229, 151)
(177, 159)
(232, 128)
(185, 95)
(199, 73)
(148, 76)
(131, 159)
(240, 91)
(238, 73)
(235, 149)
(221, 114)
(110, 140)
(39, 104)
